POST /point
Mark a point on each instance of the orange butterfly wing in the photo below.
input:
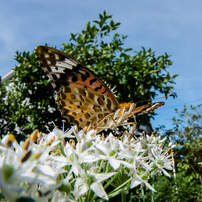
(144, 109)
(81, 95)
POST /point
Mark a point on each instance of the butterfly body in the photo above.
(81, 96)
(117, 118)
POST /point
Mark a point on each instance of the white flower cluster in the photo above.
(70, 166)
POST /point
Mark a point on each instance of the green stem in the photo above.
(123, 197)
(100, 167)
(119, 187)
(142, 190)
(152, 199)
(87, 196)
(113, 194)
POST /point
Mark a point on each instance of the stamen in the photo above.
(33, 136)
(26, 144)
(50, 141)
(26, 157)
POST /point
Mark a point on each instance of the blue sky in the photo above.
(170, 26)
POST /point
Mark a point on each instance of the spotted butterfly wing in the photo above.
(81, 96)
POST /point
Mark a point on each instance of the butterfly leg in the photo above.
(109, 115)
(122, 135)
(109, 128)
(134, 128)
(128, 123)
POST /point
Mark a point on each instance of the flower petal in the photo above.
(99, 190)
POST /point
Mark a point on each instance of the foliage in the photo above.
(167, 191)
(135, 77)
(187, 135)
(29, 101)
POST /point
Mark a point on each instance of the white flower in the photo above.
(55, 137)
(61, 197)
(108, 154)
(138, 180)
(89, 180)
(161, 161)
(53, 164)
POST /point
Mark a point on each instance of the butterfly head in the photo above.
(127, 106)
(125, 109)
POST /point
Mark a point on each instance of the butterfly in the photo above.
(81, 96)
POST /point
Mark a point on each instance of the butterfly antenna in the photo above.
(156, 98)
